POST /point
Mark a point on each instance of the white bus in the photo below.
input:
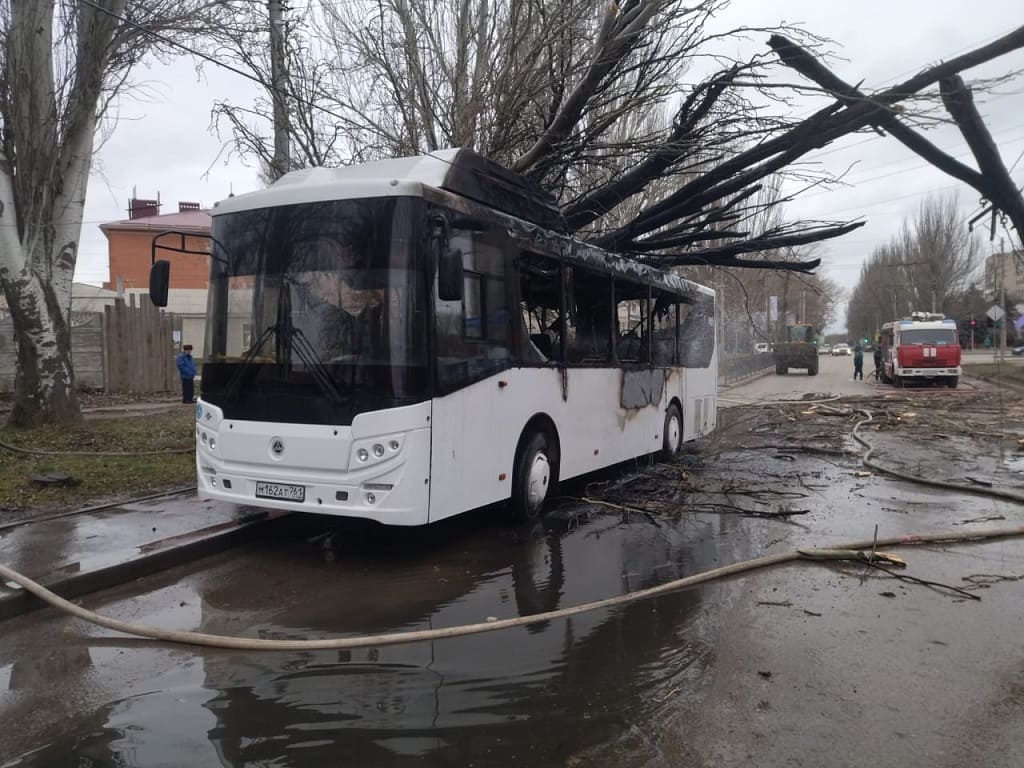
(413, 338)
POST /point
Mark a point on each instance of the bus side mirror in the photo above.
(449, 275)
(159, 281)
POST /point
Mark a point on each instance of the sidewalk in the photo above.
(81, 553)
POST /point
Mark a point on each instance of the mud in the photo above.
(810, 664)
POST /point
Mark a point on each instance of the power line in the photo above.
(914, 166)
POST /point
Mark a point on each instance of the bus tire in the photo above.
(812, 369)
(952, 382)
(781, 370)
(533, 477)
(672, 436)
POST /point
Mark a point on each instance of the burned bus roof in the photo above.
(459, 171)
(530, 213)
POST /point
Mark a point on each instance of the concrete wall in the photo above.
(86, 351)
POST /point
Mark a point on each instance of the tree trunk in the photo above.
(44, 389)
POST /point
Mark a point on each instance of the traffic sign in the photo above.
(995, 313)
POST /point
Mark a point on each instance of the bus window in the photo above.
(666, 318)
(472, 334)
(540, 308)
(591, 318)
(632, 313)
(697, 334)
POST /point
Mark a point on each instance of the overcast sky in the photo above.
(164, 144)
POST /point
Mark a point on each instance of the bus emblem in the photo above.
(277, 447)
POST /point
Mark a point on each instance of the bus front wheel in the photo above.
(533, 477)
(673, 435)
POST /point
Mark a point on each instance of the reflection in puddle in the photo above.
(536, 694)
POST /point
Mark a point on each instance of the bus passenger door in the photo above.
(474, 347)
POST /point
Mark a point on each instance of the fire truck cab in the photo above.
(923, 347)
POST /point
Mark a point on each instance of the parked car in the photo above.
(1017, 351)
(762, 347)
(825, 349)
(841, 349)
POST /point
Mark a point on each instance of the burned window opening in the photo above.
(540, 308)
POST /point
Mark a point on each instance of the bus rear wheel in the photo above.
(952, 382)
(533, 477)
(672, 437)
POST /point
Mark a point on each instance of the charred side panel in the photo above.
(641, 388)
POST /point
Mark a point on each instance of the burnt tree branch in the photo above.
(718, 255)
(695, 108)
(999, 186)
(817, 131)
(804, 62)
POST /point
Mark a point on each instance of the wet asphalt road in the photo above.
(807, 664)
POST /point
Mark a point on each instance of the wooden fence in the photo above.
(127, 348)
(139, 347)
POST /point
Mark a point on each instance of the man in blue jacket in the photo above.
(187, 369)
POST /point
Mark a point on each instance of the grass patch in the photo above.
(99, 478)
(1007, 372)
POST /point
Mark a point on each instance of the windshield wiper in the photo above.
(307, 354)
(231, 389)
(303, 349)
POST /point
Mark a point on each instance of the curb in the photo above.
(179, 549)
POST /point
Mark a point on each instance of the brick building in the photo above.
(129, 248)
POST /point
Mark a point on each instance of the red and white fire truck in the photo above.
(924, 346)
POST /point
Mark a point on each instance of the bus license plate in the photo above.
(280, 491)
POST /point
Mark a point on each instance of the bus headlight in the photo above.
(378, 450)
(363, 454)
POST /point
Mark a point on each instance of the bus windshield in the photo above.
(316, 312)
(931, 336)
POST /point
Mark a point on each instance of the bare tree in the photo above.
(594, 101)
(925, 266)
(61, 64)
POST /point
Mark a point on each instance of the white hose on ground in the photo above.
(395, 638)
(1001, 493)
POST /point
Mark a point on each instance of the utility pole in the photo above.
(1002, 302)
(278, 81)
(803, 305)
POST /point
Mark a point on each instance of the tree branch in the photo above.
(663, 157)
(998, 186)
(798, 58)
(716, 255)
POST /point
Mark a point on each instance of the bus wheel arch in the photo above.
(535, 472)
(672, 433)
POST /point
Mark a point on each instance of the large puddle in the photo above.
(535, 694)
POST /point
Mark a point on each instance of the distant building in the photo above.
(130, 243)
(1005, 270)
